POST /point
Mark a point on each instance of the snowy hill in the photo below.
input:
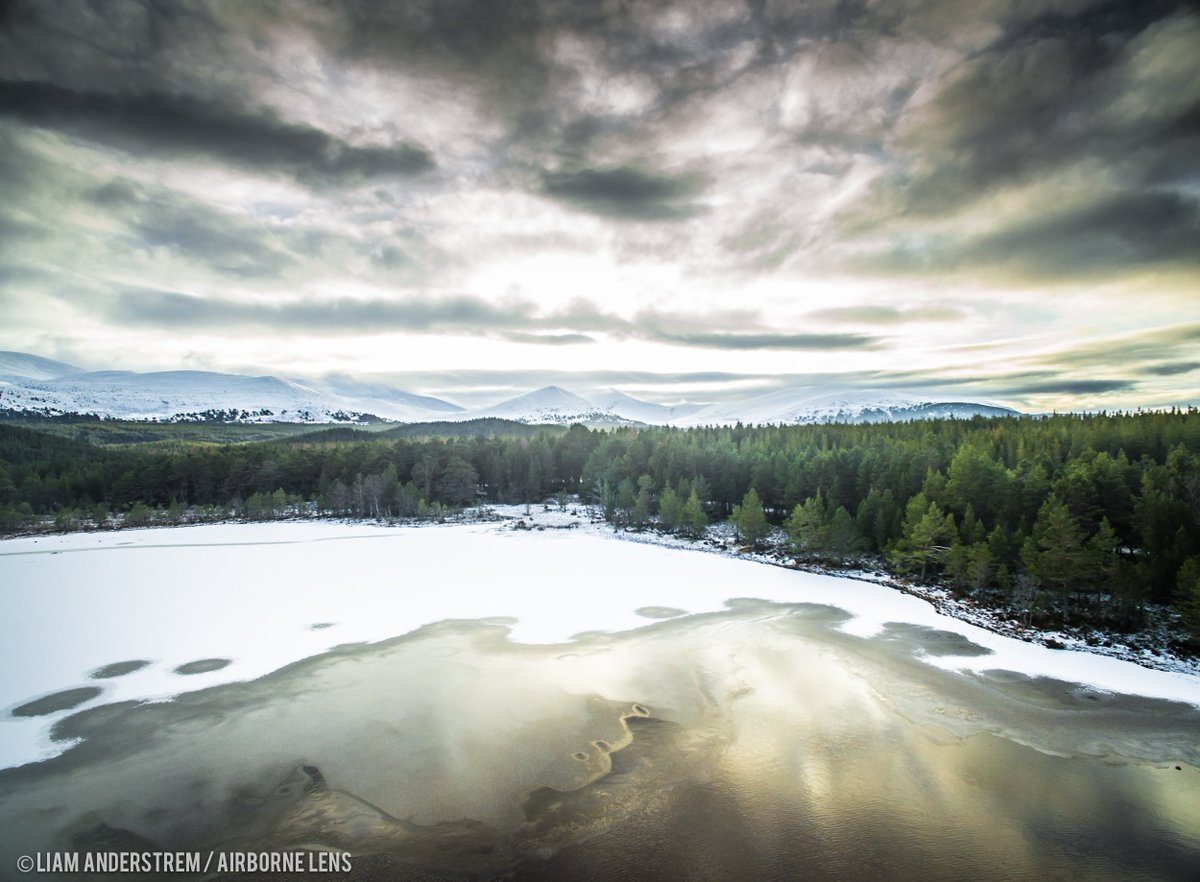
(630, 408)
(382, 396)
(806, 406)
(550, 404)
(30, 384)
(18, 366)
(198, 395)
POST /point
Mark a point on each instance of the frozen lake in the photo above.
(476, 699)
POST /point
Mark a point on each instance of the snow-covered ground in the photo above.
(264, 595)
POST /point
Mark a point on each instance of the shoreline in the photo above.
(718, 540)
(555, 589)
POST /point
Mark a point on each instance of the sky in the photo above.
(993, 200)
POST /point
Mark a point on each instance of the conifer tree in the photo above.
(694, 518)
(670, 509)
(749, 518)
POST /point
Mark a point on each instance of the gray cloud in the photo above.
(1040, 97)
(624, 192)
(1069, 387)
(701, 147)
(1097, 95)
(1129, 230)
(1172, 369)
(512, 319)
(1146, 347)
(549, 339)
(337, 316)
(184, 124)
(817, 342)
(888, 315)
(1121, 233)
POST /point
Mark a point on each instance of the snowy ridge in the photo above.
(205, 395)
(30, 384)
(18, 366)
(806, 406)
(550, 404)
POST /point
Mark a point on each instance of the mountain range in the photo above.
(30, 384)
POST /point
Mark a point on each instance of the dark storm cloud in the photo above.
(176, 123)
(1068, 387)
(154, 220)
(339, 316)
(768, 142)
(1147, 347)
(1041, 97)
(1123, 232)
(1172, 369)
(817, 342)
(1129, 230)
(624, 192)
(1100, 100)
(512, 319)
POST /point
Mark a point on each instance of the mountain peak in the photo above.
(23, 366)
(544, 401)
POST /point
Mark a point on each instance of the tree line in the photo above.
(1076, 517)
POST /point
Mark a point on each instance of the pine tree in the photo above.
(807, 526)
(925, 532)
(694, 518)
(1187, 596)
(749, 518)
(670, 509)
(1054, 553)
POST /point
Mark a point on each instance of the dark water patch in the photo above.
(1065, 695)
(660, 612)
(759, 742)
(118, 669)
(58, 701)
(933, 641)
(203, 666)
(304, 809)
(102, 838)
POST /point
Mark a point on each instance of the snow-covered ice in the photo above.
(265, 595)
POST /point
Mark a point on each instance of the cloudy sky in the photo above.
(998, 199)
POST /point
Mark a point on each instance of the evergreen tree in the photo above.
(694, 518)
(807, 526)
(843, 535)
(670, 509)
(1054, 552)
(924, 535)
(626, 497)
(750, 520)
(459, 482)
(1187, 596)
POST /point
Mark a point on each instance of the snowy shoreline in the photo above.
(542, 517)
(941, 599)
(216, 604)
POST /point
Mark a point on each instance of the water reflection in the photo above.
(756, 743)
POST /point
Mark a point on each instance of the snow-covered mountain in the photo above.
(550, 404)
(18, 366)
(630, 408)
(31, 384)
(194, 395)
(807, 405)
